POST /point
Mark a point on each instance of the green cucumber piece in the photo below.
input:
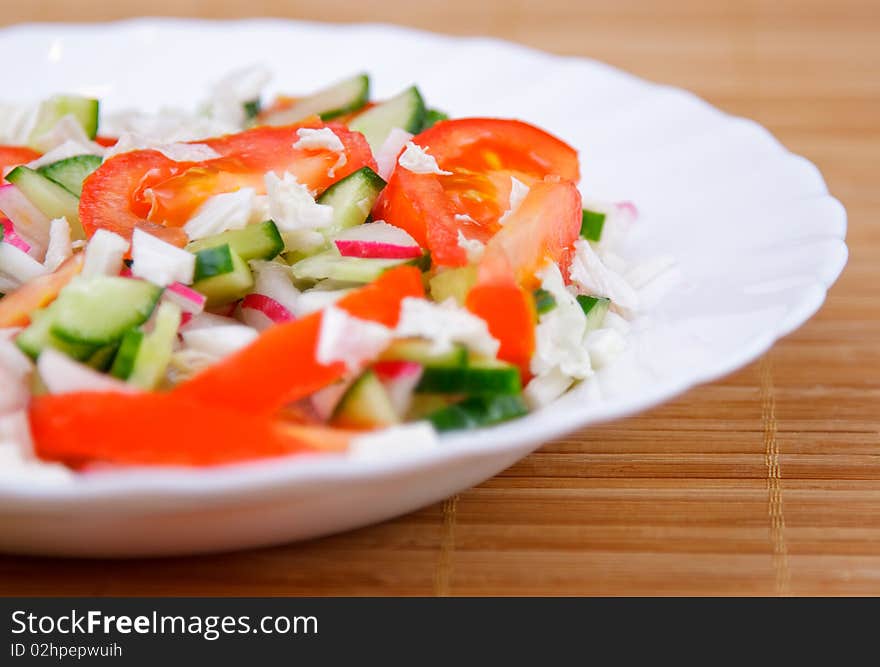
(98, 311)
(86, 111)
(405, 110)
(422, 405)
(453, 283)
(352, 199)
(477, 378)
(422, 352)
(595, 308)
(55, 201)
(365, 405)
(212, 262)
(252, 109)
(260, 241)
(544, 301)
(330, 264)
(38, 336)
(228, 286)
(143, 358)
(71, 172)
(592, 223)
(478, 411)
(340, 98)
(102, 358)
(432, 117)
(123, 364)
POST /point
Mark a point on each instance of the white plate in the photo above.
(756, 235)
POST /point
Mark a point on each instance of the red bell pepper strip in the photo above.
(152, 429)
(281, 366)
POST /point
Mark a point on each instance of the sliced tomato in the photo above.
(145, 189)
(543, 228)
(106, 142)
(483, 155)
(152, 429)
(509, 312)
(17, 307)
(14, 156)
(281, 366)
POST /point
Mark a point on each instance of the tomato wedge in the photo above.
(543, 228)
(280, 366)
(152, 429)
(482, 154)
(147, 190)
(17, 307)
(14, 156)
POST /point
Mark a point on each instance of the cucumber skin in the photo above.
(227, 287)
(592, 224)
(470, 380)
(123, 364)
(37, 336)
(258, 241)
(367, 122)
(365, 185)
(212, 262)
(71, 172)
(54, 200)
(67, 325)
(595, 308)
(478, 411)
(544, 301)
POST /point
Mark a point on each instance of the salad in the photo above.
(322, 273)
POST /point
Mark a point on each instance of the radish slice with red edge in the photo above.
(189, 300)
(377, 240)
(261, 312)
(10, 236)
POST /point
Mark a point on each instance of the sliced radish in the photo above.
(399, 379)
(219, 341)
(261, 312)
(629, 209)
(386, 156)
(207, 320)
(377, 240)
(30, 223)
(62, 375)
(10, 236)
(189, 300)
(273, 280)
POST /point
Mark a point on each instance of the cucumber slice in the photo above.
(330, 264)
(365, 405)
(405, 110)
(71, 172)
(432, 117)
(478, 411)
(143, 358)
(352, 199)
(477, 378)
(423, 405)
(102, 358)
(123, 364)
(228, 286)
(38, 336)
(212, 262)
(84, 109)
(340, 98)
(252, 109)
(544, 301)
(55, 201)
(453, 283)
(99, 310)
(592, 223)
(595, 308)
(422, 352)
(260, 241)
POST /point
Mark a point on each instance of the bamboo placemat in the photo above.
(767, 482)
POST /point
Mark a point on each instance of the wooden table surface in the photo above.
(767, 482)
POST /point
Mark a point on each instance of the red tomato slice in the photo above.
(148, 190)
(13, 156)
(482, 154)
